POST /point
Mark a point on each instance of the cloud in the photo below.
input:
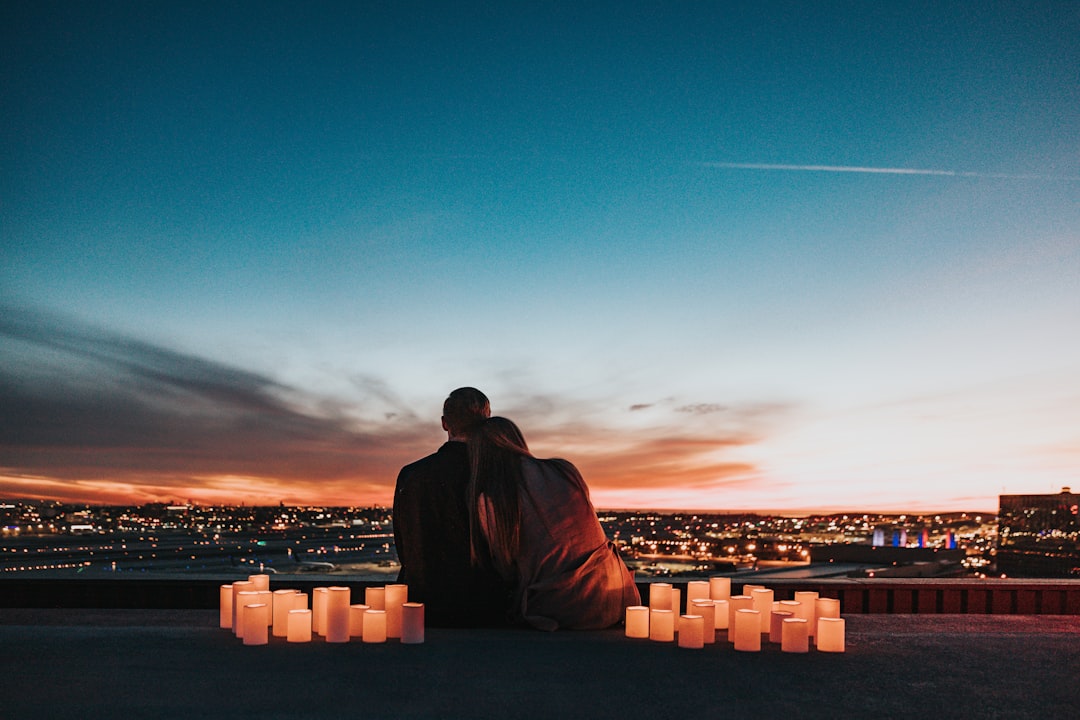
(640, 406)
(880, 171)
(701, 408)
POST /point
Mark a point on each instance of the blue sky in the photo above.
(249, 247)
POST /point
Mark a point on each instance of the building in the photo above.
(1039, 535)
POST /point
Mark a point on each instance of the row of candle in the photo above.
(746, 618)
(253, 613)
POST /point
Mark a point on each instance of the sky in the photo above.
(782, 256)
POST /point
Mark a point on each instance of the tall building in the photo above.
(1039, 535)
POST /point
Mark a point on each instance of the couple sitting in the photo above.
(489, 535)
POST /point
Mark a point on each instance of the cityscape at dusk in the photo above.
(779, 257)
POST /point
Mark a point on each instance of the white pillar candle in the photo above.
(806, 612)
(827, 607)
(374, 626)
(735, 604)
(283, 603)
(660, 596)
(719, 588)
(676, 606)
(763, 600)
(749, 589)
(830, 634)
(412, 623)
(356, 620)
(661, 625)
(691, 632)
(265, 596)
(243, 599)
(748, 630)
(299, 626)
(707, 610)
(637, 621)
(776, 626)
(262, 582)
(722, 613)
(336, 620)
(256, 618)
(788, 606)
(300, 601)
(696, 590)
(396, 596)
(225, 599)
(375, 598)
(793, 636)
(238, 587)
(318, 610)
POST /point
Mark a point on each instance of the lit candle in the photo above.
(374, 626)
(830, 634)
(256, 618)
(722, 613)
(375, 598)
(776, 627)
(661, 625)
(262, 582)
(238, 587)
(225, 599)
(243, 599)
(660, 596)
(793, 636)
(356, 620)
(827, 607)
(676, 606)
(806, 612)
(691, 632)
(299, 626)
(412, 623)
(735, 604)
(283, 603)
(300, 601)
(336, 620)
(763, 600)
(696, 590)
(749, 589)
(720, 588)
(395, 597)
(748, 630)
(318, 610)
(707, 610)
(267, 597)
(637, 621)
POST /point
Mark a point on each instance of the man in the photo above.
(431, 527)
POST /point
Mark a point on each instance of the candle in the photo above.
(318, 610)
(793, 636)
(283, 603)
(735, 604)
(722, 613)
(256, 618)
(676, 606)
(300, 601)
(696, 590)
(243, 599)
(661, 625)
(776, 626)
(691, 632)
(637, 621)
(660, 596)
(356, 620)
(719, 588)
(225, 599)
(412, 623)
(267, 597)
(299, 626)
(749, 589)
(707, 610)
(763, 600)
(806, 612)
(336, 620)
(748, 630)
(238, 587)
(830, 634)
(374, 626)
(375, 598)
(395, 597)
(827, 607)
(262, 582)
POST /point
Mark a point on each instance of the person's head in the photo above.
(463, 410)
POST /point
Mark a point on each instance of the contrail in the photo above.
(881, 171)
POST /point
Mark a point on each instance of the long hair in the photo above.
(496, 449)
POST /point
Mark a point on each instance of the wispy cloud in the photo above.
(882, 171)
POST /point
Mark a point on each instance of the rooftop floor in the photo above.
(130, 663)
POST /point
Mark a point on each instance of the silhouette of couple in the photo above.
(489, 535)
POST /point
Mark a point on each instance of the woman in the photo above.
(533, 521)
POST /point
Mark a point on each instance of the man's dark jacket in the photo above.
(431, 530)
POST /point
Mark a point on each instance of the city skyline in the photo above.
(785, 257)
